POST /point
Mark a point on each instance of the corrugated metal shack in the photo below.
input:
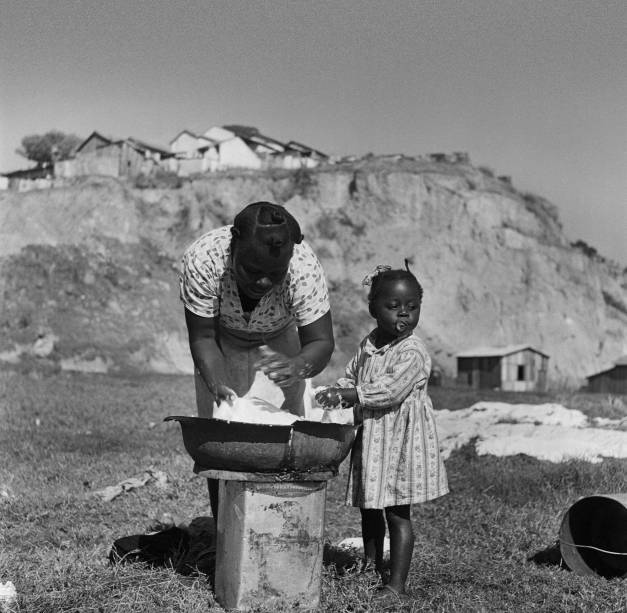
(516, 368)
(612, 380)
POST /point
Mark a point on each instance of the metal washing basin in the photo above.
(304, 446)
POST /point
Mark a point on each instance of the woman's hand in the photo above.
(223, 392)
(281, 369)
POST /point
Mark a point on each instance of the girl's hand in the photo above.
(329, 397)
(281, 369)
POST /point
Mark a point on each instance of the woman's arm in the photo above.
(206, 353)
(317, 344)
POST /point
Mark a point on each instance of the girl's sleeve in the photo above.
(406, 370)
(350, 377)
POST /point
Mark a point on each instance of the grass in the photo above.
(63, 437)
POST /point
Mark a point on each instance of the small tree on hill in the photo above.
(46, 148)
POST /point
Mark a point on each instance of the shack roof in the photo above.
(183, 132)
(36, 172)
(622, 361)
(142, 144)
(95, 135)
(265, 141)
(301, 148)
(490, 352)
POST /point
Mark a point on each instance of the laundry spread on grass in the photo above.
(545, 431)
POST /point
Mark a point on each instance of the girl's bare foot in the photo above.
(388, 597)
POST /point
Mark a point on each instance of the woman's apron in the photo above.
(240, 350)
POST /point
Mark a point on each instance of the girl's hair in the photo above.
(268, 223)
(386, 273)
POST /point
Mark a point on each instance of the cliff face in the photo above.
(88, 273)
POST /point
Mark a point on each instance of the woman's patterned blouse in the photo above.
(208, 288)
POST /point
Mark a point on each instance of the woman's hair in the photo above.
(268, 223)
(386, 273)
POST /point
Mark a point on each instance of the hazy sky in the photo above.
(534, 89)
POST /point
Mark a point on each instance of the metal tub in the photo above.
(304, 446)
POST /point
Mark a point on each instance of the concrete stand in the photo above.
(269, 540)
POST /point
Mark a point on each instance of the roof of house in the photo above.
(134, 142)
(183, 132)
(301, 148)
(141, 144)
(488, 352)
(218, 134)
(242, 131)
(622, 361)
(251, 135)
(265, 141)
(94, 134)
(35, 172)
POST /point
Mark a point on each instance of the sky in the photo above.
(532, 89)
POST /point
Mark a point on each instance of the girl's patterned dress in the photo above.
(396, 458)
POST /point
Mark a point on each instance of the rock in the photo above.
(44, 345)
(495, 264)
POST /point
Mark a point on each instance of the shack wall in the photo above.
(523, 371)
(612, 381)
(479, 372)
(103, 161)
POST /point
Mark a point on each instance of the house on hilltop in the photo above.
(259, 143)
(186, 144)
(94, 141)
(297, 155)
(612, 380)
(193, 153)
(100, 155)
(238, 146)
(233, 151)
(37, 177)
(516, 368)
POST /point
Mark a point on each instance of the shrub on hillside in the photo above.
(303, 181)
(588, 250)
(614, 302)
(542, 208)
(160, 179)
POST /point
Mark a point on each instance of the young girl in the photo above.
(395, 461)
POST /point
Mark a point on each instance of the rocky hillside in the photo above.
(88, 273)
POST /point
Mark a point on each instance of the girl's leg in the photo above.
(373, 533)
(401, 544)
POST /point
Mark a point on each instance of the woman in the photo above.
(251, 284)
